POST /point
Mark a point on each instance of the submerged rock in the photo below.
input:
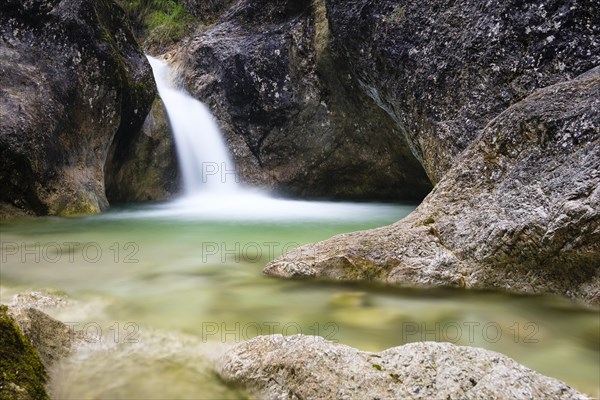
(22, 374)
(295, 120)
(520, 210)
(154, 365)
(444, 69)
(72, 79)
(309, 367)
(52, 339)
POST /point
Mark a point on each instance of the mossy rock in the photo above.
(22, 374)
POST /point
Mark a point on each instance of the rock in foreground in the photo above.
(51, 338)
(22, 374)
(520, 210)
(309, 367)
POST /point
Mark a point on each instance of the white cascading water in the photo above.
(211, 191)
(205, 162)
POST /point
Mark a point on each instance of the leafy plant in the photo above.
(399, 14)
(158, 23)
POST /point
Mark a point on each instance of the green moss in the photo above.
(158, 22)
(81, 208)
(399, 15)
(429, 220)
(22, 374)
(73, 206)
(377, 367)
(490, 158)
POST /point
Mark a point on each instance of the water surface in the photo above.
(180, 279)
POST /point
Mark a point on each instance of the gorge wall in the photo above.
(72, 79)
(444, 69)
(520, 210)
(492, 104)
(294, 118)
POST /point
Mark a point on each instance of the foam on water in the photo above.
(202, 153)
(211, 191)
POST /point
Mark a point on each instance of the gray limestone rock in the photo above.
(444, 69)
(309, 367)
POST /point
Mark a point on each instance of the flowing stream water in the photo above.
(162, 287)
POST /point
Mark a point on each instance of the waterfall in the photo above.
(210, 188)
(203, 157)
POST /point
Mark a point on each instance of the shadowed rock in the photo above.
(444, 69)
(72, 79)
(143, 166)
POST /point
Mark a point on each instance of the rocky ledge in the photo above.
(520, 210)
(309, 367)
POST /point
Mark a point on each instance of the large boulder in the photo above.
(520, 210)
(309, 367)
(294, 118)
(72, 79)
(444, 69)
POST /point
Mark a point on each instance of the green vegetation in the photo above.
(399, 14)
(22, 373)
(158, 23)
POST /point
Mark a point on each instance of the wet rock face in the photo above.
(72, 79)
(293, 117)
(444, 69)
(520, 210)
(207, 10)
(143, 166)
(309, 367)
